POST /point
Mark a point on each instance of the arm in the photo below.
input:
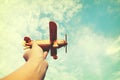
(35, 67)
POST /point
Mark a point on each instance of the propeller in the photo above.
(66, 42)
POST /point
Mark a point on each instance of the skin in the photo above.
(35, 67)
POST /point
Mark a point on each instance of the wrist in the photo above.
(36, 59)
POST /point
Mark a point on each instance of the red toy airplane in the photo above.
(51, 44)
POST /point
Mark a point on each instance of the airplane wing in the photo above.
(54, 52)
(53, 38)
(53, 31)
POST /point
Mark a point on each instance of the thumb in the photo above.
(36, 49)
(35, 46)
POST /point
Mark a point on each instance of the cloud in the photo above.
(116, 75)
(114, 47)
(113, 50)
(88, 55)
(59, 9)
(87, 50)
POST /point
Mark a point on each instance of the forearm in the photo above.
(33, 69)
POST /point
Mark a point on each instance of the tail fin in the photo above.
(27, 39)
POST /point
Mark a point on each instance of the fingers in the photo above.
(45, 54)
(35, 52)
(35, 47)
(26, 54)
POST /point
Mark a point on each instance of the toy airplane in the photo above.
(51, 44)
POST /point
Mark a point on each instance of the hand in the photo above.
(35, 52)
(34, 69)
(36, 55)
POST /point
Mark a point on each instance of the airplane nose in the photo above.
(65, 42)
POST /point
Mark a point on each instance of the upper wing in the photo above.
(53, 31)
(53, 38)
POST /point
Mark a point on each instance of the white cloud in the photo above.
(113, 50)
(116, 75)
(89, 52)
(59, 9)
(114, 47)
(59, 72)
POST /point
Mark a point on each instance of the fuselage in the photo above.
(47, 44)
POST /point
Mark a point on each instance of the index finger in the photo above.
(36, 47)
(45, 54)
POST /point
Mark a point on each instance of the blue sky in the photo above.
(93, 31)
(105, 15)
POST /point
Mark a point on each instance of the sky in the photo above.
(92, 28)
